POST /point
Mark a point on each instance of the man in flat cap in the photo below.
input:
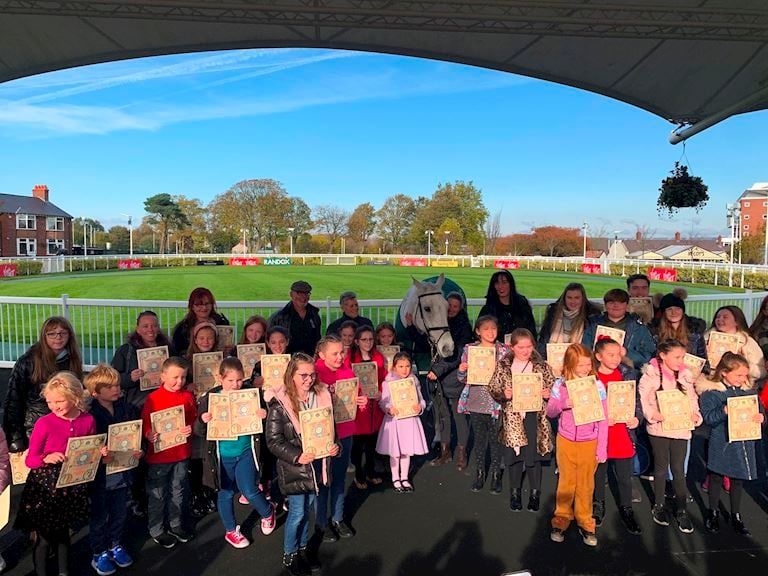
(300, 318)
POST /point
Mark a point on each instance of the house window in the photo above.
(54, 246)
(746, 204)
(746, 226)
(765, 204)
(26, 247)
(26, 222)
(746, 216)
(55, 224)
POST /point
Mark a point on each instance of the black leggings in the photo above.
(715, 483)
(517, 467)
(486, 431)
(669, 453)
(364, 444)
(622, 471)
(47, 541)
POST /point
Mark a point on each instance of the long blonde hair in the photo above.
(728, 363)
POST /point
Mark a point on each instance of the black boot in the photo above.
(477, 485)
(515, 500)
(738, 525)
(627, 516)
(495, 481)
(294, 564)
(712, 520)
(598, 511)
(309, 560)
(534, 500)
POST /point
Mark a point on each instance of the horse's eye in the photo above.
(427, 308)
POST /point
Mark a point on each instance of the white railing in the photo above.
(102, 325)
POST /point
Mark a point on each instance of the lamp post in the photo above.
(85, 238)
(447, 234)
(245, 246)
(585, 227)
(429, 234)
(290, 236)
(130, 231)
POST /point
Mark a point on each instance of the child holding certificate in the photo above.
(669, 433)
(109, 492)
(385, 334)
(621, 438)
(580, 448)
(167, 473)
(736, 459)
(401, 437)
(232, 464)
(483, 410)
(44, 509)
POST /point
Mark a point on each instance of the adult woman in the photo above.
(55, 350)
(146, 335)
(674, 324)
(730, 319)
(511, 309)
(201, 308)
(566, 318)
(759, 328)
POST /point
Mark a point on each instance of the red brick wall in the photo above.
(752, 216)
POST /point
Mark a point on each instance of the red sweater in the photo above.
(329, 377)
(161, 399)
(619, 442)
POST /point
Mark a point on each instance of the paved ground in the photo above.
(444, 529)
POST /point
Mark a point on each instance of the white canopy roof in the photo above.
(684, 60)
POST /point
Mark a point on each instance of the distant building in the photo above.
(33, 226)
(754, 208)
(670, 249)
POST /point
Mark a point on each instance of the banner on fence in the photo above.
(271, 261)
(592, 268)
(445, 263)
(507, 264)
(129, 264)
(8, 270)
(413, 261)
(663, 274)
(237, 261)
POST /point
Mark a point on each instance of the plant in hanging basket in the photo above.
(681, 190)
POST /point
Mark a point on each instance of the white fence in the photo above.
(102, 325)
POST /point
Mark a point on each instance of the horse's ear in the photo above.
(440, 280)
(415, 282)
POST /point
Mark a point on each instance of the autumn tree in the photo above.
(557, 241)
(331, 221)
(395, 219)
(193, 236)
(492, 232)
(752, 247)
(119, 238)
(362, 223)
(165, 213)
(299, 221)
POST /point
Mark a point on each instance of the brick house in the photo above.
(754, 209)
(32, 226)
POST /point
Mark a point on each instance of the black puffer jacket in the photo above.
(446, 369)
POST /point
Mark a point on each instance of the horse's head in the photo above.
(429, 308)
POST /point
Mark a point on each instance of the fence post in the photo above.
(327, 310)
(65, 306)
(742, 277)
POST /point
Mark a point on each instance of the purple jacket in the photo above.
(557, 406)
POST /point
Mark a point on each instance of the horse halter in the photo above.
(429, 329)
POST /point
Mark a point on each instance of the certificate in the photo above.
(612, 333)
(621, 400)
(481, 362)
(168, 424)
(317, 431)
(405, 399)
(643, 307)
(83, 456)
(123, 441)
(226, 337)
(273, 368)
(389, 354)
(555, 356)
(245, 407)
(220, 425)
(719, 343)
(587, 406)
(368, 375)
(508, 339)
(5, 507)
(250, 355)
(151, 361)
(676, 409)
(526, 392)
(741, 411)
(204, 368)
(19, 470)
(345, 400)
(694, 364)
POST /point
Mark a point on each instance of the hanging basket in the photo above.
(681, 190)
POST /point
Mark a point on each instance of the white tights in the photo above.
(399, 465)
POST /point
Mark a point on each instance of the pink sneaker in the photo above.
(268, 524)
(236, 539)
(243, 500)
(727, 484)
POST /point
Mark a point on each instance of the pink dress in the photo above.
(403, 437)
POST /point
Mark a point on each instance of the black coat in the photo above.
(446, 369)
(519, 314)
(335, 326)
(299, 342)
(182, 331)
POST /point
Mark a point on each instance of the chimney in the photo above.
(720, 240)
(677, 236)
(638, 235)
(40, 191)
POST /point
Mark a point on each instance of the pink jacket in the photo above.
(557, 407)
(650, 383)
(5, 462)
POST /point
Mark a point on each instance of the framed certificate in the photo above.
(345, 400)
(19, 470)
(621, 400)
(507, 339)
(151, 361)
(741, 426)
(694, 364)
(220, 425)
(676, 409)
(250, 355)
(368, 375)
(317, 431)
(612, 333)
(245, 407)
(481, 362)
(526, 392)
(389, 354)
(404, 398)
(204, 368)
(123, 440)
(168, 423)
(83, 456)
(719, 343)
(643, 307)
(587, 406)
(5, 507)
(226, 337)
(273, 368)
(555, 356)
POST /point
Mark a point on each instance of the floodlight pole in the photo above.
(429, 246)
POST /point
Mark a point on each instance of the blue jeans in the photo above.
(239, 473)
(108, 515)
(297, 523)
(167, 496)
(336, 491)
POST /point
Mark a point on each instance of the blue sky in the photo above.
(345, 127)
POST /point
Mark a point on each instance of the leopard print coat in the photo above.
(512, 430)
